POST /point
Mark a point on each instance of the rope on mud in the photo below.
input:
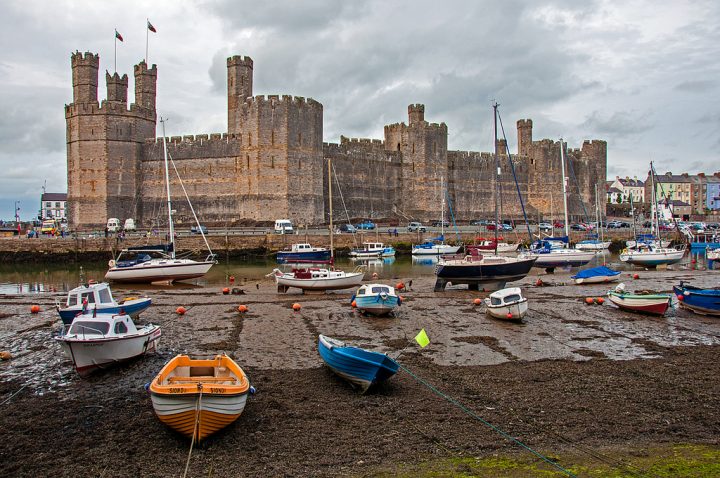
(15, 393)
(195, 429)
(486, 423)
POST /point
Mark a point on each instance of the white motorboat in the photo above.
(592, 245)
(433, 249)
(652, 256)
(158, 263)
(372, 249)
(376, 299)
(97, 297)
(508, 304)
(713, 254)
(550, 258)
(99, 340)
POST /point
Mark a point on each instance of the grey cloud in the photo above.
(696, 86)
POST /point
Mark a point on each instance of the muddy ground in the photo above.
(570, 380)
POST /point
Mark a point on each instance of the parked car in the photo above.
(614, 225)
(667, 226)
(479, 222)
(545, 226)
(500, 227)
(439, 223)
(558, 224)
(416, 226)
(196, 230)
(579, 227)
(366, 225)
(349, 228)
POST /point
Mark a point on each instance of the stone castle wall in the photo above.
(272, 163)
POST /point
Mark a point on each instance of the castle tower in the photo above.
(239, 84)
(524, 129)
(145, 85)
(85, 77)
(103, 147)
(116, 87)
(424, 163)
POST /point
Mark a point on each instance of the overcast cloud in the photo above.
(642, 75)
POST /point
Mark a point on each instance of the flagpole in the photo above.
(147, 39)
(116, 50)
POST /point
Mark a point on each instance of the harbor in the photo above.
(569, 378)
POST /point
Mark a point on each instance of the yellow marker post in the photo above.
(422, 338)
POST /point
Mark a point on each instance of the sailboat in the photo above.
(652, 254)
(492, 271)
(319, 279)
(158, 263)
(599, 274)
(550, 257)
(594, 242)
(436, 246)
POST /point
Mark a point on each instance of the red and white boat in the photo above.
(656, 304)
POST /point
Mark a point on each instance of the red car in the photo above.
(558, 224)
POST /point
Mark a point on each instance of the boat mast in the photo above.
(654, 221)
(330, 205)
(442, 209)
(564, 183)
(171, 230)
(497, 177)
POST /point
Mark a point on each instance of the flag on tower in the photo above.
(151, 27)
(118, 36)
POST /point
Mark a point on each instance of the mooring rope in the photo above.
(486, 423)
(195, 429)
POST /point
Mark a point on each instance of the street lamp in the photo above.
(17, 215)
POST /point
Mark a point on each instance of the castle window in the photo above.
(272, 161)
(272, 137)
(300, 139)
(249, 140)
(434, 148)
(299, 164)
(398, 146)
(247, 159)
(413, 147)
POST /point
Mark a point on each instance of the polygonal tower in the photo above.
(104, 145)
(239, 84)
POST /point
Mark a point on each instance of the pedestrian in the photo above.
(106, 232)
(396, 233)
(390, 232)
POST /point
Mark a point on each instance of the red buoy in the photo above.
(232, 279)
(636, 276)
(35, 309)
(589, 300)
(242, 308)
(180, 310)
(680, 297)
(226, 290)
(600, 300)
(353, 304)
(539, 283)
(399, 286)
(509, 315)
(477, 301)
(296, 306)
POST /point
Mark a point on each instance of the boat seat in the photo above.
(201, 378)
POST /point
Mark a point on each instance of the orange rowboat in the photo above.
(198, 397)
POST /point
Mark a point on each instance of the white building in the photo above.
(52, 206)
(628, 186)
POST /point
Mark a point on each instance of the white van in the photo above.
(113, 224)
(129, 224)
(283, 226)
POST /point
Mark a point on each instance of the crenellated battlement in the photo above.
(107, 107)
(238, 60)
(142, 69)
(85, 59)
(274, 100)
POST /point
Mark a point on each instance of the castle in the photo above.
(272, 162)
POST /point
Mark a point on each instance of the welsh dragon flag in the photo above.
(118, 36)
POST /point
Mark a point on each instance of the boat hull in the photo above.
(700, 301)
(592, 246)
(159, 271)
(362, 368)
(351, 279)
(596, 279)
(653, 258)
(485, 271)
(563, 258)
(133, 308)
(91, 354)
(516, 310)
(376, 304)
(435, 250)
(656, 304)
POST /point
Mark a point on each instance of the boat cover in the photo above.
(595, 272)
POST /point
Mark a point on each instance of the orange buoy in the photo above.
(477, 301)
(353, 304)
(539, 283)
(5, 355)
(636, 276)
(680, 297)
(589, 300)
(35, 309)
(180, 310)
(399, 286)
(226, 290)
(296, 306)
(242, 308)
(600, 300)
(232, 279)
(509, 315)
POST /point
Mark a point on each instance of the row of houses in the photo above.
(697, 194)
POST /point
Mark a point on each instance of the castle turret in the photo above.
(145, 85)
(502, 148)
(416, 113)
(116, 87)
(85, 77)
(524, 129)
(239, 84)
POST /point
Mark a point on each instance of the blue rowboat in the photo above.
(700, 301)
(376, 299)
(596, 275)
(98, 298)
(360, 367)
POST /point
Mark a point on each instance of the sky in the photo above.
(642, 75)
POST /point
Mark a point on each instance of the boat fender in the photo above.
(111, 263)
(252, 390)
(400, 300)
(352, 299)
(147, 387)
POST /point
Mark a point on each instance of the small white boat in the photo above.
(98, 340)
(433, 249)
(592, 245)
(373, 249)
(303, 252)
(713, 254)
(312, 278)
(508, 304)
(376, 299)
(98, 297)
(652, 256)
(551, 258)
(486, 246)
(142, 265)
